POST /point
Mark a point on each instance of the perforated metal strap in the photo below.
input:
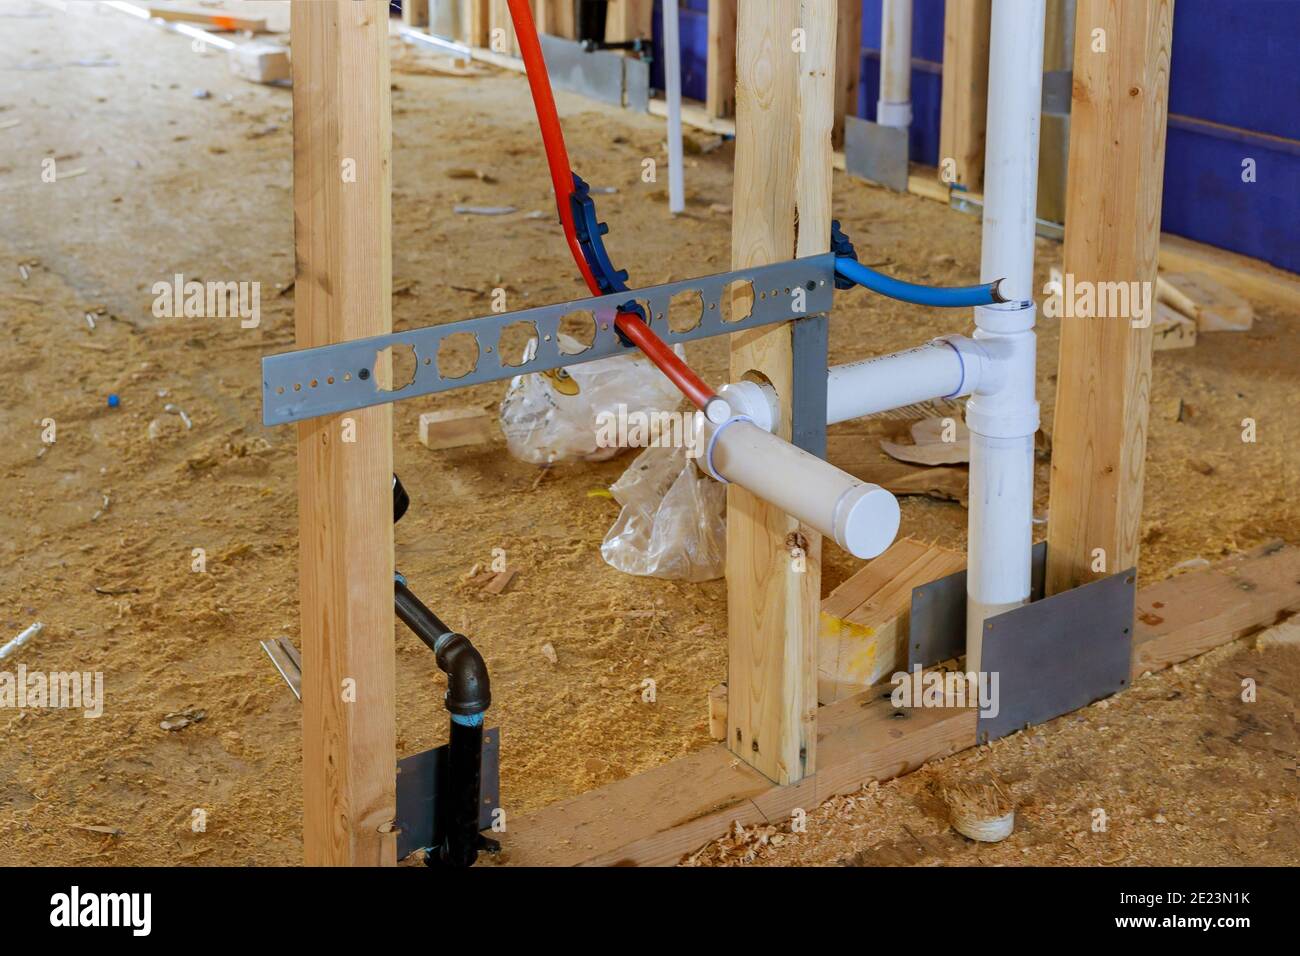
(339, 378)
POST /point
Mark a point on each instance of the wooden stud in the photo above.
(784, 107)
(415, 13)
(720, 96)
(848, 65)
(342, 152)
(965, 92)
(556, 18)
(1054, 133)
(629, 19)
(474, 22)
(1112, 235)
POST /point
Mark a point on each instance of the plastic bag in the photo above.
(673, 523)
(554, 416)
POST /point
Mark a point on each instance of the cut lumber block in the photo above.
(657, 817)
(456, 427)
(1256, 280)
(1170, 329)
(260, 61)
(220, 21)
(864, 621)
(1214, 306)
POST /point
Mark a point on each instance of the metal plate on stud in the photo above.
(417, 782)
(598, 74)
(338, 378)
(1058, 654)
(809, 344)
(1058, 91)
(636, 84)
(876, 153)
(937, 622)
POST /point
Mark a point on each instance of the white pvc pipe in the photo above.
(944, 368)
(861, 518)
(1003, 413)
(673, 82)
(894, 107)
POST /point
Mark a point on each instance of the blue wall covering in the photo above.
(1234, 65)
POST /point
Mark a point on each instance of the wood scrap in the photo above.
(456, 427)
(1171, 329)
(1214, 306)
(260, 61)
(863, 627)
(220, 21)
(500, 582)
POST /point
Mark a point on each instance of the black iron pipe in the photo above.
(468, 690)
(461, 842)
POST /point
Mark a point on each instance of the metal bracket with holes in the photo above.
(338, 378)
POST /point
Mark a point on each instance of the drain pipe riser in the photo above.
(894, 108)
(1011, 155)
(861, 518)
(1003, 414)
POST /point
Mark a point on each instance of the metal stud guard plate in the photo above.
(338, 378)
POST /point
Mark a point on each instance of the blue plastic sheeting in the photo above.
(1234, 65)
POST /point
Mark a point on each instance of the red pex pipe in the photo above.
(557, 158)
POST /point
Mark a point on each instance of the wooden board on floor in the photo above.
(657, 817)
(216, 20)
(1257, 281)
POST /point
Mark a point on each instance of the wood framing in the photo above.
(474, 21)
(655, 818)
(415, 13)
(556, 18)
(342, 179)
(720, 66)
(848, 65)
(784, 104)
(1054, 134)
(629, 20)
(965, 92)
(1117, 152)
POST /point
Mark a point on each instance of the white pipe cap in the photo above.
(866, 520)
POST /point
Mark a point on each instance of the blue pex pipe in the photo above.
(950, 298)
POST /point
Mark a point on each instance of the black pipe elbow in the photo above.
(468, 690)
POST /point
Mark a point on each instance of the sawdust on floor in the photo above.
(99, 529)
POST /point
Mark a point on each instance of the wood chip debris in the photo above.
(181, 719)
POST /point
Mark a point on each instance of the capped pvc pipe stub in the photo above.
(866, 520)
